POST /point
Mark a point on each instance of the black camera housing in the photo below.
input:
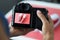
(35, 22)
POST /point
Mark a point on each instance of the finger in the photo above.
(41, 16)
(50, 20)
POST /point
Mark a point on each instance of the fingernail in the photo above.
(38, 11)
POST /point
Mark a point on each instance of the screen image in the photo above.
(22, 18)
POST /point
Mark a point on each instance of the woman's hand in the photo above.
(47, 28)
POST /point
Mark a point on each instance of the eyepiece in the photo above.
(24, 7)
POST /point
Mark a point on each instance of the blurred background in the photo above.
(6, 5)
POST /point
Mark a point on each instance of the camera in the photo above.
(25, 16)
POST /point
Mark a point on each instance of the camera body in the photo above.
(26, 10)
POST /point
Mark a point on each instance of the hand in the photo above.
(47, 28)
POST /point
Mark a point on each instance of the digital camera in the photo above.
(25, 16)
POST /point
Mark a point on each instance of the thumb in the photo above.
(41, 16)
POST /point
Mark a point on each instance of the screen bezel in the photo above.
(22, 25)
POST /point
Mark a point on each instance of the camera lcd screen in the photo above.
(22, 18)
